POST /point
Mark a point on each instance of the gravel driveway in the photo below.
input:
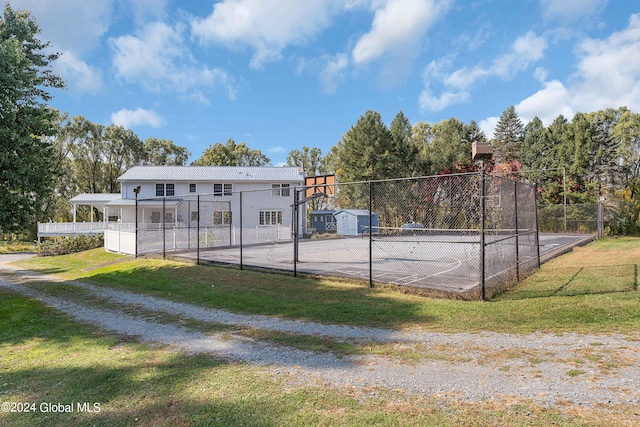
(471, 367)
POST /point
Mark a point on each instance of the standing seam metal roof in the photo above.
(212, 173)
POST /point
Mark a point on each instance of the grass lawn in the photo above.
(592, 289)
(47, 360)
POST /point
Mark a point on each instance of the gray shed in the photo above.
(323, 221)
(351, 222)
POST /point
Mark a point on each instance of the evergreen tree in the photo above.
(507, 138)
(404, 151)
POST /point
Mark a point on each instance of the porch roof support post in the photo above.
(74, 212)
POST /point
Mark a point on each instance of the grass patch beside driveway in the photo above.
(591, 290)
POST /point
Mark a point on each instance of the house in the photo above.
(217, 198)
(323, 221)
(351, 222)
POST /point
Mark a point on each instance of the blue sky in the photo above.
(283, 74)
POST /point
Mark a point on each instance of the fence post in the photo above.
(482, 227)
(370, 236)
(241, 264)
(164, 228)
(295, 231)
(515, 202)
(535, 210)
(601, 217)
(197, 232)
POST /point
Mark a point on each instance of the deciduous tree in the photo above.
(231, 154)
(25, 120)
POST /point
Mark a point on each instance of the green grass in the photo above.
(46, 359)
(593, 289)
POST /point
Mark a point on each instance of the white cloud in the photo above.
(146, 10)
(429, 102)
(333, 71)
(607, 77)
(157, 58)
(140, 117)
(525, 51)
(547, 104)
(571, 10)
(397, 28)
(80, 76)
(608, 70)
(541, 74)
(488, 126)
(266, 26)
(70, 25)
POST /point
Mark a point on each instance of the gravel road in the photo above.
(471, 367)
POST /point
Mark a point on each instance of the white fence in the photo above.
(69, 228)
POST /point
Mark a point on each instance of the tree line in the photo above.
(47, 157)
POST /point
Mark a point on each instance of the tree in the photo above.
(309, 159)
(450, 149)
(422, 136)
(508, 136)
(231, 154)
(123, 150)
(25, 120)
(163, 152)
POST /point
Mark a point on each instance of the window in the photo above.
(165, 190)
(222, 189)
(192, 188)
(194, 216)
(280, 190)
(221, 218)
(270, 217)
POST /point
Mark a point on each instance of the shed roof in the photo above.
(213, 173)
(355, 212)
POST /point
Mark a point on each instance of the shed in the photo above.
(323, 221)
(351, 222)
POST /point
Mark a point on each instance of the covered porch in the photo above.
(95, 201)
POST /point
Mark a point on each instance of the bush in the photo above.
(69, 245)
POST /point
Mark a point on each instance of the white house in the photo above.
(265, 193)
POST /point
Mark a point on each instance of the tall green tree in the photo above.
(450, 149)
(309, 159)
(364, 152)
(231, 154)
(123, 150)
(508, 135)
(25, 120)
(163, 152)
(402, 148)
(421, 139)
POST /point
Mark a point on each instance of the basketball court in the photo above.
(440, 263)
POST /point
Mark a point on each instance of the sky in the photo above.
(283, 74)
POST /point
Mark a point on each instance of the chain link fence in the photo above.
(465, 236)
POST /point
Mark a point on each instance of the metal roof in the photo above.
(97, 198)
(212, 173)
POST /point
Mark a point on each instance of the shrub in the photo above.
(69, 245)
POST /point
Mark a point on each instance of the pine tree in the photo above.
(508, 136)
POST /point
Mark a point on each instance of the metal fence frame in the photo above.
(494, 215)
